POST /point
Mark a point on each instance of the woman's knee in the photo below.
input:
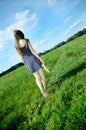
(41, 74)
(37, 76)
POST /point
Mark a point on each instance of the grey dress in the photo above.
(32, 62)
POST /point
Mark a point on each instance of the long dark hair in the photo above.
(18, 35)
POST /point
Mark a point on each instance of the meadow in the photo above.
(22, 107)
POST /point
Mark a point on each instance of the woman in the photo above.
(31, 59)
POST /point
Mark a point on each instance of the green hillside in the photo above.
(22, 107)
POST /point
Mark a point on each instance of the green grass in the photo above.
(22, 107)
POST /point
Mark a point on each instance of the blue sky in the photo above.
(44, 22)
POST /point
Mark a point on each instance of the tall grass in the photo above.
(22, 107)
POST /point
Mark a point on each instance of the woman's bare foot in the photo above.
(44, 94)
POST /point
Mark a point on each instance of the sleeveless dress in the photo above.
(32, 62)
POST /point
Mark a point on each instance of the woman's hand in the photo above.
(47, 70)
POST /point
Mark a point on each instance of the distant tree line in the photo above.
(11, 69)
(78, 34)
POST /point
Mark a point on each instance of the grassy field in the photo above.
(22, 107)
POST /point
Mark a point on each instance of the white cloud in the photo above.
(3, 45)
(42, 45)
(63, 2)
(51, 2)
(68, 19)
(41, 42)
(51, 31)
(77, 2)
(75, 27)
(22, 15)
(23, 21)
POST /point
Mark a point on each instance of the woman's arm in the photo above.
(34, 52)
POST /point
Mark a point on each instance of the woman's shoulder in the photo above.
(22, 42)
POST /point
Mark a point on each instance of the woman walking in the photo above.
(31, 59)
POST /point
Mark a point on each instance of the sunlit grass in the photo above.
(22, 107)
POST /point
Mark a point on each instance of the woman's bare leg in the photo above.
(43, 80)
(38, 81)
